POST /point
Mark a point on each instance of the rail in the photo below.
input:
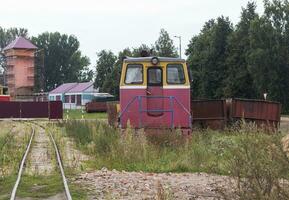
(13, 194)
(67, 191)
(172, 99)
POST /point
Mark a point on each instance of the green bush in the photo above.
(258, 163)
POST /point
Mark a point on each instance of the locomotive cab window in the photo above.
(134, 74)
(155, 76)
(175, 74)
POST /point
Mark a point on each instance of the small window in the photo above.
(154, 76)
(134, 74)
(5, 91)
(175, 74)
(66, 99)
(72, 97)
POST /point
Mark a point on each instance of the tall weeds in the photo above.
(255, 158)
(260, 167)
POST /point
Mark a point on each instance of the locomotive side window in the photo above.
(175, 74)
(134, 74)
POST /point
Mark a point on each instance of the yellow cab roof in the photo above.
(148, 59)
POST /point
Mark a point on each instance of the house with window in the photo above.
(74, 95)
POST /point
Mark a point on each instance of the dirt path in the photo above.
(105, 184)
(41, 158)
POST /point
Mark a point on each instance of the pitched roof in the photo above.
(72, 88)
(20, 43)
(63, 88)
(80, 87)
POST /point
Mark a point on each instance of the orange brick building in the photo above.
(20, 67)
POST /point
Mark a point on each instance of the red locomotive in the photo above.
(155, 93)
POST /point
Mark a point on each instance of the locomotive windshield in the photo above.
(175, 74)
(154, 76)
(134, 74)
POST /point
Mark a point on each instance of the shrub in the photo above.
(258, 163)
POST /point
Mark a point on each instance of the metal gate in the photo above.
(13, 109)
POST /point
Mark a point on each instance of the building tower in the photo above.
(20, 67)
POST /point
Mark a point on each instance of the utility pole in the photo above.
(180, 44)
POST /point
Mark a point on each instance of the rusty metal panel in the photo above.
(55, 110)
(9, 109)
(95, 107)
(209, 113)
(259, 111)
(208, 109)
(255, 109)
(34, 109)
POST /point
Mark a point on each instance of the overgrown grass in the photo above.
(77, 114)
(255, 158)
(11, 150)
(38, 187)
(206, 151)
(12, 146)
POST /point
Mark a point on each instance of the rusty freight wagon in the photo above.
(209, 113)
(261, 112)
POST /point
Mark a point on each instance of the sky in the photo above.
(117, 24)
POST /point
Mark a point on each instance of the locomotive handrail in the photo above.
(126, 107)
(172, 98)
(190, 115)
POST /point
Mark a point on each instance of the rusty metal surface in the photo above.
(209, 113)
(255, 110)
(95, 107)
(208, 109)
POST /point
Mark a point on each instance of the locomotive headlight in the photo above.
(154, 60)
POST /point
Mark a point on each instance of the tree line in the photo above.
(244, 60)
(108, 65)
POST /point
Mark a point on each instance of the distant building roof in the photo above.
(74, 88)
(63, 88)
(80, 87)
(20, 43)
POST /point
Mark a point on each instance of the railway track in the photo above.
(24, 160)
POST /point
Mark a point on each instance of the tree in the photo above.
(111, 84)
(268, 57)
(164, 46)
(137, 51)
(63, 61)
(239, 81)
(104, 67)
(206, 58)
(8, 35)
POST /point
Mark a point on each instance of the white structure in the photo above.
(75, 95)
